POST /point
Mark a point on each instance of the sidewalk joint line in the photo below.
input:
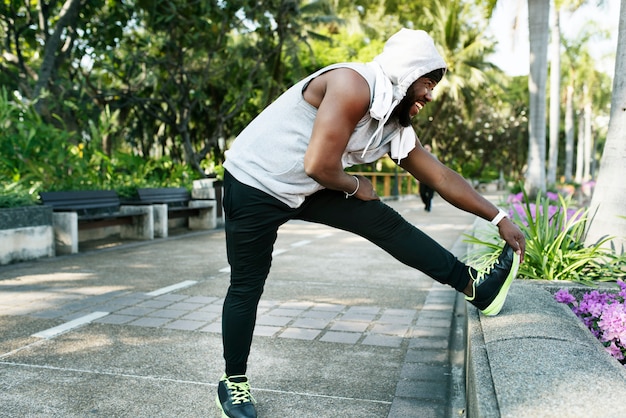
(191, 382)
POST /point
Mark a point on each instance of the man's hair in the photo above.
(435, 75)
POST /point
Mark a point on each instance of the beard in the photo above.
(403, 111)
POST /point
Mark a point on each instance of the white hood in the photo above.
(407, 56)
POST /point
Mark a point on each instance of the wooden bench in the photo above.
(90, 209)
(176, 202)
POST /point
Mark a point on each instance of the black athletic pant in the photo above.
(252, 221)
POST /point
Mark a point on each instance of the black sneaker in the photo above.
(234, 398)
(491, 288)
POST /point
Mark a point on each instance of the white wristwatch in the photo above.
(501, 215)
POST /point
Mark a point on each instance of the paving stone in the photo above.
(263, 330)
(429, 342)
(273, 320)
(391, 329)
(201, 316)
(185, 325)
(430, 372)
(185, 306)
(155, 303)
(412, 407)
(341, 337)
(300, 333)
(167, 313)
(422, 389)
(149, 322)
(286, 312)
(364, 317)
(211, 308)
(310, 323)
(433, 322)
(319, 314)
(393, 319)
(136, 311)
(382, 340)
(202, 299)
(351, 326)
(116, 319)
(426, 356)
(424, 331)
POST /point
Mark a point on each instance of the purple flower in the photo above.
(612, 323)
(515, 198)
(552, 196)
(564, 296)
(604, 314)
(615, 351)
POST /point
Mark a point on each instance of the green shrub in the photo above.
(36, 156)
(555, 250)
(14, 195)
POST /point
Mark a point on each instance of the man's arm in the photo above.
(457, 191)
(342, 98)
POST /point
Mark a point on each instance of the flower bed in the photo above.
(604, 314)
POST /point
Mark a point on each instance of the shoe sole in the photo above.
(494, 307)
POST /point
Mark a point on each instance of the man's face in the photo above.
(417, 95)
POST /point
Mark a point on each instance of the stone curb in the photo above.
(537, 359)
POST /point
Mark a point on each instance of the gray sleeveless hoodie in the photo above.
(269, 153)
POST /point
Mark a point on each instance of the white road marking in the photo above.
(171, 288)
(53, 332)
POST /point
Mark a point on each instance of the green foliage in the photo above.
(178, 79)
(555, 250)
(15, 195)
(36, 156)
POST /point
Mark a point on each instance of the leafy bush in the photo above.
(36, 156)
(555, 250)
(14, 195)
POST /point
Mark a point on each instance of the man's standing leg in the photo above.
(252, 221)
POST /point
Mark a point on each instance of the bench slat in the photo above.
(171, 195)
(82, 201)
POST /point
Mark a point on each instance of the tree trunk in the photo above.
(609, 197)
(555, 98)
(67, 17)
(569, 134)
(538, 28)
(580, 148)
(588, 139)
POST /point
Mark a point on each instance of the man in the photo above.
(426, 192)
(289, 164)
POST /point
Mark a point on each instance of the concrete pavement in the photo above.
(343, 329)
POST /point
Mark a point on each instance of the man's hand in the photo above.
(513, 236)
(366, 190)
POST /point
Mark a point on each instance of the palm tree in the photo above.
(464, 49)
(538, 29)
(555, 95)
(609, 197)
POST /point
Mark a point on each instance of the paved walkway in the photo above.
(134, 330)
